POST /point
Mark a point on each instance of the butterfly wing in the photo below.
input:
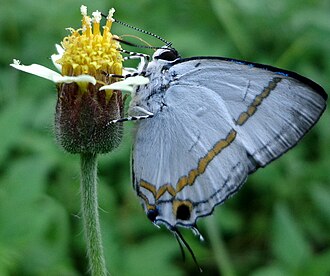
(186, 159)
(221, 121)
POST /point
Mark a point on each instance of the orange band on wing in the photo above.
(190, 178)
(252, 108)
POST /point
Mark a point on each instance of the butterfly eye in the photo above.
(152, 214)
(167, 54)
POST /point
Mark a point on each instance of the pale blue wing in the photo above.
(272, 108)
(220, 122)
(188, 155)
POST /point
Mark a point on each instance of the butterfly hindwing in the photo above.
(188, 156)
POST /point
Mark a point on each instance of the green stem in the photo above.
(222, 259)
(90, 214)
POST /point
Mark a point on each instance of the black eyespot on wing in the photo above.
(152, 214)
(183, 212)
(169, 54)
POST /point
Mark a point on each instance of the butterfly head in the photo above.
(166, 53)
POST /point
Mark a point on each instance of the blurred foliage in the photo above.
(278, 224)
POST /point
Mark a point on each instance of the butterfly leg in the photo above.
(131, 118)
(144, 61)
(134, 118)
(132, 72)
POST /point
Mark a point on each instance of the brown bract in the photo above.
(82, 119)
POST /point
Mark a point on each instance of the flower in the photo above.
(89, 97)
(85, 56)
(127, 84)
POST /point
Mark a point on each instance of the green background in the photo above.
(278, 224)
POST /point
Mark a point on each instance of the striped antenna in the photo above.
(144, 32)
(141, 31)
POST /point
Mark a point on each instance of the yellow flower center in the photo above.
(90, 51)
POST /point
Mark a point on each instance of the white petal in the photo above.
(118, 86)
(38, 70)
(127, 84)
(137, 80)
(44, 72)
(56, 57)
(80, 78)
(59, 49)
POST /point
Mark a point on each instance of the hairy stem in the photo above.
(89, 208)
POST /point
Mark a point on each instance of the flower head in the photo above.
(90, 51)
(86, 59)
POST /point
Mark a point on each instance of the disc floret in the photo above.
(90, 51)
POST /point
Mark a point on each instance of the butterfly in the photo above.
(209, 122)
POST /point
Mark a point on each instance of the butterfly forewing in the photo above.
(271, 109)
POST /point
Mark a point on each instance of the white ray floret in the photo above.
(46, 73)
(56, 57)
(127, 85)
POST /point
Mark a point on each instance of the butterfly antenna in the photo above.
(144, 32)
(135, 45)
(181, 242)
(141, 31)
